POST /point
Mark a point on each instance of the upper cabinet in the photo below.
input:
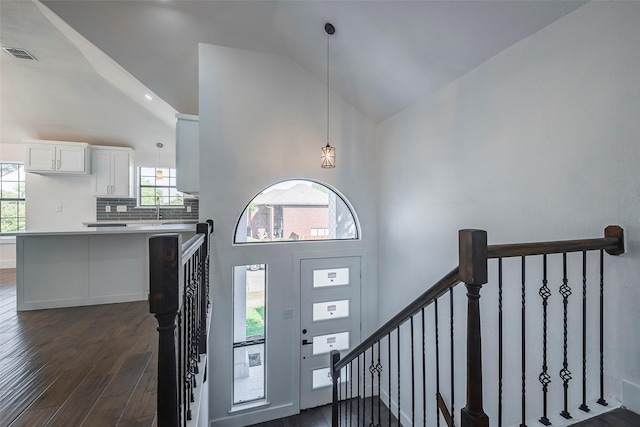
(113, 171)
(57, 157)
(188, 153)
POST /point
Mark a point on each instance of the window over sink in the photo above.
(157, 187)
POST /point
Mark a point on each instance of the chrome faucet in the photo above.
(157, 209)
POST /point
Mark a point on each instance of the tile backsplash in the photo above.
(135, 213)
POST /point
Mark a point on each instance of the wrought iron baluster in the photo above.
(453, 393)
(350, 392)
(379, 369)
(339, 401)
(500, 343)
(389, 374)
(544, 377)
(584, 406)
(398, 358)
(523, 344)
(359, 395)
(424, 372)
(565, 374)
(364, 386)
(601, 400)
(435, 307)
(413, 378)
(372, 370)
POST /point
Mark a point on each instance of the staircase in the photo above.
(543, 307)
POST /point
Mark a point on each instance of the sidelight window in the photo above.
(249, 333)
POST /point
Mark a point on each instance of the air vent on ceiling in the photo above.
(19, 53)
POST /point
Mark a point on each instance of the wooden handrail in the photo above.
(434, 292)
(612, 243)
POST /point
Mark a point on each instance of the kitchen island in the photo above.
(86, 266)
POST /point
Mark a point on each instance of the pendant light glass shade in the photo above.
(158, 170)
(328, 158)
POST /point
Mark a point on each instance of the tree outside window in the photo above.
(12, 196)
(157, 189)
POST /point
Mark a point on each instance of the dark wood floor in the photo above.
(82, 366)
(617, 418)
(321, 417)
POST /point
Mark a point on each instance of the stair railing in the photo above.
(357, 401)
(179, 298)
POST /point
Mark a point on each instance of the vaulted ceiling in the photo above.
(97, 59)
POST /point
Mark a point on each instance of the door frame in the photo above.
(298, 256)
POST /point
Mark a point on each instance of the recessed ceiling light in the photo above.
(146, 95)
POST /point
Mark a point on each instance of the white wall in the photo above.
(542, 142)
(263, 120)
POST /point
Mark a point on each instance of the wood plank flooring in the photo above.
(617, 418)
(81, 366)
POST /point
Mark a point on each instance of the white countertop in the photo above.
(129, 229)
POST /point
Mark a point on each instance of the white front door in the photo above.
(330, 320)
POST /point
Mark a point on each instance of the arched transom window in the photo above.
(296, 210)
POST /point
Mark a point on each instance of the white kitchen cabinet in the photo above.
(57, 157)
(188, 153)
(113, 171)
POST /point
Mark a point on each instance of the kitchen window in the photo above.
(12, 196)
(157, 187)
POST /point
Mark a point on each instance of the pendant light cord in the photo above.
(328, 37)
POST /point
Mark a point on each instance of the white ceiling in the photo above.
(384, 55)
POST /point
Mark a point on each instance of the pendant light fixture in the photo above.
(158, 170)
(328, 152)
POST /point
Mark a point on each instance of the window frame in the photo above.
(21, 182)
(171, 175)
(338, 195)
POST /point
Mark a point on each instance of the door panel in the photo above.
(330, 320)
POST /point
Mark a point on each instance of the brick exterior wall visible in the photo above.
(291, 219)
(301, 219)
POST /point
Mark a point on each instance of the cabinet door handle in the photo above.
(53, 164)
(58, 163)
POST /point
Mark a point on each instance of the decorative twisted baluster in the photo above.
(372, 370)
(584, 406)
(565, 373)
(544, 377)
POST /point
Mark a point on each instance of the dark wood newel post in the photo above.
(164, 294)
(473, 272)
(203, 283)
